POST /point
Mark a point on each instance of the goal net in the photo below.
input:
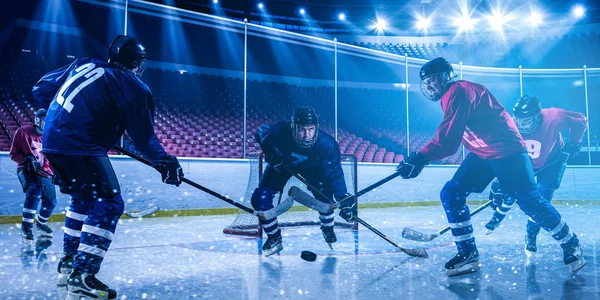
(247, 224)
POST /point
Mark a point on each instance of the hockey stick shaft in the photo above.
(411, 252)
(194, 184)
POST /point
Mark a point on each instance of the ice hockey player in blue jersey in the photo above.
(90, 104)
(301, 147)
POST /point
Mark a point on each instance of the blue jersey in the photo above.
(91, 103)
(319, 164)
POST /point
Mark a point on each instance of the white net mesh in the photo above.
(247, 224)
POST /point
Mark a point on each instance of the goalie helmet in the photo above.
(127, 53)
(40, 120)
(303, 118)
(527, 113)
(436, 75)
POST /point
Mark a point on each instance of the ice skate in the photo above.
(273, 245)
(43, 230)
(27, 236)
(86, 286)
(329, 235)
(573, 255)
(463, 263)
(530, 245)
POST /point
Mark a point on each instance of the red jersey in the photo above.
(546, 141)
(27, 142)
(474, 116)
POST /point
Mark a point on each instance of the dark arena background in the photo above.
(219, 69)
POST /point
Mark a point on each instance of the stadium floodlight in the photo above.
(464, 23)
(535, 19)
(261, 5)
(215, 1)
(578, 11)
(423, 23)
(342, 17)
(497, 20)
(381, 25)
(302, 11)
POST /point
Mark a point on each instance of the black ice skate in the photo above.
(492, 225)
(64, 269)
(573, 255)
(329, 235)
(273, 244)
(530, 245)
(27, 236)
(463, 264)
(87, 286)
(43, 230)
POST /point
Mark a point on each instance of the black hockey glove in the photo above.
(496, 194)
(271, 154)
(31, 164)
(170, 170)
(571, 148)
(348, 209)
(412, 166)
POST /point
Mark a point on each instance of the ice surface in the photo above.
(190, 257)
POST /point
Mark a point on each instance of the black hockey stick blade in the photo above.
(414, 235)
(143, 213)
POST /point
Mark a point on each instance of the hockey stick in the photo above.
(142, 213)
(418, 252)
(264, 215)
(414, 235)
(320, 206)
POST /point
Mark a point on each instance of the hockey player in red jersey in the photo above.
(497, 150)
(34, 173)
(541, 129)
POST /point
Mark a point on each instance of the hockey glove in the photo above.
(31, 164)
(571, 148)
(170, 170)
(348, 209)
(496, 194)
(412, 166)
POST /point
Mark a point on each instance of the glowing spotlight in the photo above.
(464, 23)
(381, 25)
(261, 5)
(342, 17)
(535, 19)
(497, 20)
(302, 11)
(578, 11)
(423, 23)
(215, 1)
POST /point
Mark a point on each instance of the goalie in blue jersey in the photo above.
(300, 147)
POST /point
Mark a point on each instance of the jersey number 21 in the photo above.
(86, 71)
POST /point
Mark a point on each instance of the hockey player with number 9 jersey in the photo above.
(91, 103)
(542, 131)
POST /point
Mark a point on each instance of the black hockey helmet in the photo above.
(305, 116)
(527, 113)
(39, 119)
(440, 68)
(127, 53)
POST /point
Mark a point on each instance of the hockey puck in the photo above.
(308, 256)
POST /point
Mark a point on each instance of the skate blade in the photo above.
(466, 269)
(62, 280)
(488, 232)
(577, 265)
(530, 254)
(273, 250)
(96, 296)
(27, 242)
(330, 245)
(43, 234)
